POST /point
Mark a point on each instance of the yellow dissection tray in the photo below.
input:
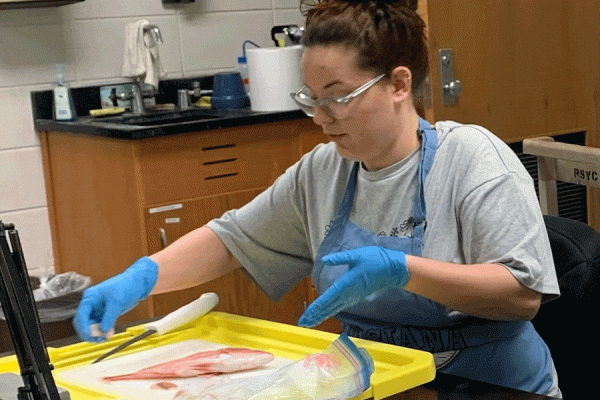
(396, 368)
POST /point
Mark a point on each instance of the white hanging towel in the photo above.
(141, 60)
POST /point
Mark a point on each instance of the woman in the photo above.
(421, 236)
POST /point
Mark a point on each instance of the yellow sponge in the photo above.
(203, 101)
(107, 111)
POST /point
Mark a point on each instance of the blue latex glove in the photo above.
(371, 269)
(106, 301)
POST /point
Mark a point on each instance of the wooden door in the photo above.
(527, 68)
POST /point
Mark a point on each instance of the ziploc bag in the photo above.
(341, 371)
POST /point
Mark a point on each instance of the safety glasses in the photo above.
(335, 107)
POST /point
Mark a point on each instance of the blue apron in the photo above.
(507, 353)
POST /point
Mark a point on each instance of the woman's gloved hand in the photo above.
(371, 269)
(106, 301)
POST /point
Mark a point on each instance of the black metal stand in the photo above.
(23, 320)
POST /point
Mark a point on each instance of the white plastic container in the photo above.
(274, 73)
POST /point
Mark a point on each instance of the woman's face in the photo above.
(370, 133)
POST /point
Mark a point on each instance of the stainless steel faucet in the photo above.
(137, 94)
(156, 31)
(184, 96)
(135, 97)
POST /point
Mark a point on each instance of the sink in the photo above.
(164, 117)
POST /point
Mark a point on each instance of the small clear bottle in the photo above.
(243, 69)
(243, 65)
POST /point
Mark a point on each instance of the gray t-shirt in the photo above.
(481, 208)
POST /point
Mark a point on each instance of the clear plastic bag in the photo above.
(58, 296)
(60, 285)
(340, 372)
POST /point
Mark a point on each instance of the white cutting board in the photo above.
(90, 376)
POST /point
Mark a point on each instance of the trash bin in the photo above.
(56, 298)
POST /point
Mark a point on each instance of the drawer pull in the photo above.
(220, 176)
(218, 147)
(226, 160)
(163, 237)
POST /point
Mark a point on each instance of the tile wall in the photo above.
(200, 38)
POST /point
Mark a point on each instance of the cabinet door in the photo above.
(528, 68)
(237, 293)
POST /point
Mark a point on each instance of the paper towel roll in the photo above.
(274, 73)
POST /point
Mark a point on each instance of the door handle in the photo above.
(451, 88)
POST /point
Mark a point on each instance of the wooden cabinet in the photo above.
(193, 165)
(165, 224)
(112, 201)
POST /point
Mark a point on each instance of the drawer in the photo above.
(200, 164)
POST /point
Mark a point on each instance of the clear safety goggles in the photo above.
(335, 107)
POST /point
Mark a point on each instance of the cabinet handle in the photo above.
(163, 237)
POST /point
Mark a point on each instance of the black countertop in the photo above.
(88, 98)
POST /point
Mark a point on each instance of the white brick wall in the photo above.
(199, 38)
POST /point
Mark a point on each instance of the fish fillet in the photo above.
(229, 359)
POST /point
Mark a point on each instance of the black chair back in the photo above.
(566, 324)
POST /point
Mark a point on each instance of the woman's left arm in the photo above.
(483, 290)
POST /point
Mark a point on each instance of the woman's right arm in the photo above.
(195, 258)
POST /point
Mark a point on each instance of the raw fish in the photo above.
(163, 386)
(230, 359)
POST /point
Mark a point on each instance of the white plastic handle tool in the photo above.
(185, 314)
(177, 318)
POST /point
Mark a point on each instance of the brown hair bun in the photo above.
(385, 33)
